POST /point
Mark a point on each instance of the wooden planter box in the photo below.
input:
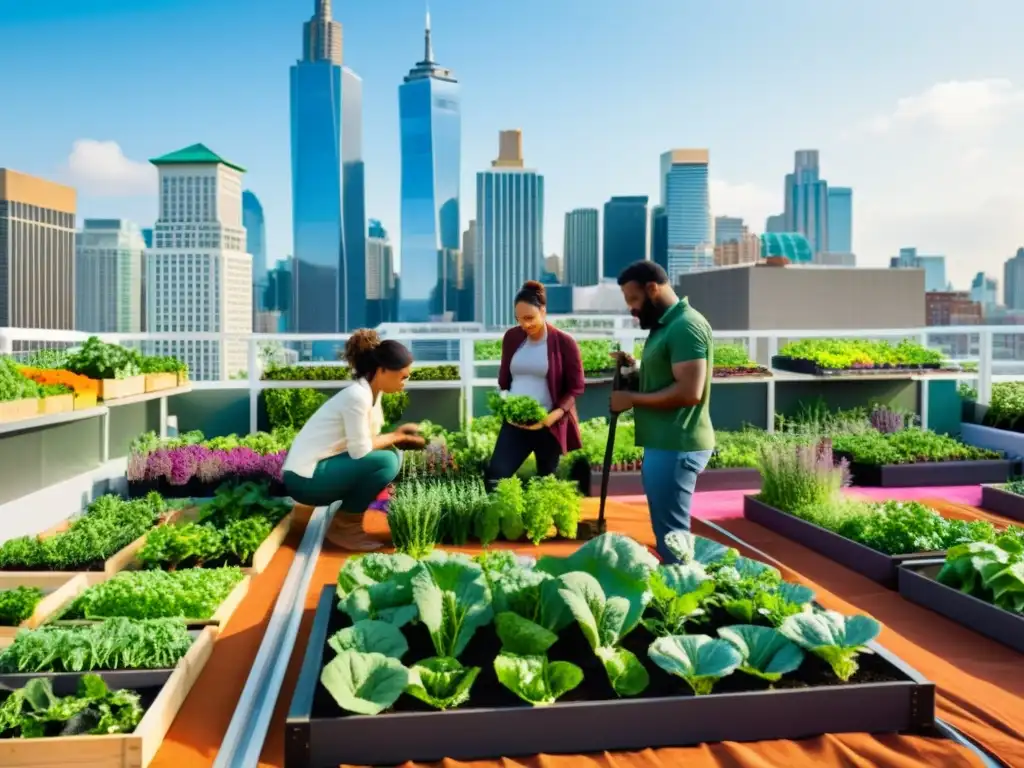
(857, 557)
(114, 564)
(58, 590)
(995, 499)
(918, 585)
(115, 389)
(932, 473)
(159, 381)
(182, 378)
(18, 410)
(134, 750)
(85, 400)
(56, 404)
(574, 727)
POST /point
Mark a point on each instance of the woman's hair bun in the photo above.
(534, 287)
(359, 344)
(532, 292)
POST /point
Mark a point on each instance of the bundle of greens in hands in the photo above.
(605, 622)
(519, 410)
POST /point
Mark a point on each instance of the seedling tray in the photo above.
(134, 750)
(932, 473)
(799, 365)
(502, 726)
(864, 560)
(1002, 502)
(918, 585)
(630, 482)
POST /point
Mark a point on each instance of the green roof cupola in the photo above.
(197, 154)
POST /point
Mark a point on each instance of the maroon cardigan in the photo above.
(565, 379)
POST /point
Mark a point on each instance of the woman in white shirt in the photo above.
(340, 453)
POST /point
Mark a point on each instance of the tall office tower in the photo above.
(280, 294)
(807, 200)
(840, 220)
(380, 276)
(687, 202)
(1013, 281)
(255, 245)
(775, 224)
(659, 236)
(934, 268)
(109, 257)
(328, 185)
(729, 229)
(467, 297)
(625, 233)
(198, 275)
(510, 231)
(985, 291)
(431, 142)
(147, 236)
(580, 248)
(37, 253)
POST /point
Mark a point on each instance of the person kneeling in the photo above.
(340, 454)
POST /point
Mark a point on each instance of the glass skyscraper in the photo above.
(431, 141)
(728, 229)
(328, 190)
(1013, 281)
(581, 247)
(934, 267)
(840, 220)
(659, 236)
(625, 233)
(687, 201)
(509, 232)
(255, 245)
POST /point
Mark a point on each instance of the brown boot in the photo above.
(346, 532)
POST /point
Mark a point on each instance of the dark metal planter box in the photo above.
(586, 727)
(1002, 502)
(932, 473)
(857, 557)
(66, 683)
(630, 483)
(799, 365)
(918, 585)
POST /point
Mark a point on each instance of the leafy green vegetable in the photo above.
(453, 599)
(677, 592)
(765, 651)
(700, 660)
(35, 712)
(508, 502)
(443, 683)
(690, 548)
(364, 683)
(908, 446)
(993, 572)
(369, 636)
(835, 638)
(522, 636)
(521, 410)
(18, 605)
(551, 502)
(605, 621)
(536, 680)
(377, 586)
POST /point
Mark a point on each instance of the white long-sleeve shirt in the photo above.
(347, 423)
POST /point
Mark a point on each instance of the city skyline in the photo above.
(924, 146)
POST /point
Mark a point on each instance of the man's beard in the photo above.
(648, 314)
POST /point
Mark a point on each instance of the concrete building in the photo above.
(744, 249)
(952, 308)
(686, 198)
(766, 297)
(510, 231)
(109, 256)
(198, 275)
(729, 229)
(467, 300)
(553, 266)
(581, 247)
(37, 252)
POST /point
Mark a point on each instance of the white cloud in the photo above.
(101, 169)
(749, 201)
(956, 106)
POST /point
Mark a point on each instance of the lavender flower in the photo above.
(272, 465)
(137, 463)
(185, 463)
(243, 462)
(210, 468)
(886, 420)
(158, 465)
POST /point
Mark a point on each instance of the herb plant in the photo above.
(520, 410)
(415, 518)
(98, 360)
(18, 605)
(908, 446)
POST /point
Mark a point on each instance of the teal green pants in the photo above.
(353, 482)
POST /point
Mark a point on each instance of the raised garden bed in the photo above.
(866, 561)
(157, 382)
(741, 372)
(887, 696)
(811, 368)
(57, 590)
(997, 499)
(630, 482)
(134, 750)
(118, 389)
(930, 473)
(918, 584)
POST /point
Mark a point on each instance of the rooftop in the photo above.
(246, 699)
(196, 154)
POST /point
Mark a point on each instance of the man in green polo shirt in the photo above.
(672, 410)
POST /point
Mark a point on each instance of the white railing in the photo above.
(761, 346)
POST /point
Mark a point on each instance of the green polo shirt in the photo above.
(682, 334)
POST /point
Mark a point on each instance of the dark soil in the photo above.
(148, 696)
(571, 646)
(732, 371)
(95, 565)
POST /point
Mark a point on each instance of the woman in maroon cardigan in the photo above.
(544, 363)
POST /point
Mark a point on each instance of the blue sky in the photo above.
(916, 104)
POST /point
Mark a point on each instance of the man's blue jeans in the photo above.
(669, 481)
